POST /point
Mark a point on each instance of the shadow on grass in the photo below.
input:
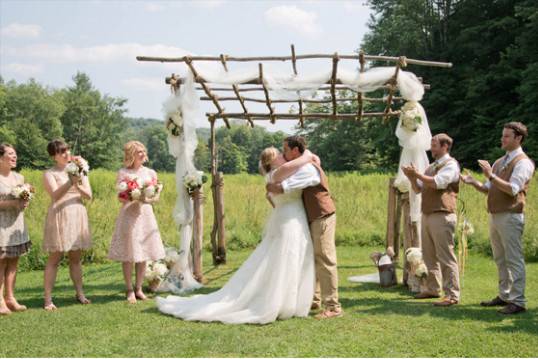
(522, 322)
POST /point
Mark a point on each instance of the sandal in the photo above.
(327, 314)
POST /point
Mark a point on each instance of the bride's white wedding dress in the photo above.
(276, 282)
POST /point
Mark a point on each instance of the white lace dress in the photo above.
(275, 282)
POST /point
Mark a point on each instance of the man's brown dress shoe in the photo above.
(446, 302)
(494, 302)
(511, 309)
(425, 295)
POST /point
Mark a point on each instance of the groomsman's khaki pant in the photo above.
(506, 230)
(438, 251)
(322, 231)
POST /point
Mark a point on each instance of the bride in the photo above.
(277, 280)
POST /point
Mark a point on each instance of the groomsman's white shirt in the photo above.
(522, 172)
(448, 174)
(306, 176)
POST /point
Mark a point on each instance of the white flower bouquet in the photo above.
(174, 124)
(23, 191)
(410, 116)
(77, 166)
(157, 271)
(193, 181)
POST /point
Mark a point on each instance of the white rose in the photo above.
(135, 194)
(160, 269)
(72, 169)
(122, 186)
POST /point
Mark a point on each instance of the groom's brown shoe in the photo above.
(511, 308)
(426, 295)
(327, 314)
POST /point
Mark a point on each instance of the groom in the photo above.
(321, 214)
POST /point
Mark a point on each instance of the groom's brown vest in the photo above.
(317, 200)
(498, 201)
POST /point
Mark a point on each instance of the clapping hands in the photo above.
(410, 171)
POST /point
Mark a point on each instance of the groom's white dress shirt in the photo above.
(306, 176)
(521, 174)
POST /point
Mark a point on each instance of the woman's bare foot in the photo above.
(14, 306)
(140, 294)
(81, 298)
(131, 297)
(49, 307)
(4, 309)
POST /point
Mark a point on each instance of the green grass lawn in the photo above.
(377, 322)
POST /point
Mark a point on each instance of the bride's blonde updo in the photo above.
(267, 157)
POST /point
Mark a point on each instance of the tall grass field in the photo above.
(361, 205)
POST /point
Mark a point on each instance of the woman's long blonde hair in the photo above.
(129, 152)
(267, 157)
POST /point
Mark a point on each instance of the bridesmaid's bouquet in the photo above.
(23, 191)
(130, 188)
(77, 166)
(194, 181)
(152, 188)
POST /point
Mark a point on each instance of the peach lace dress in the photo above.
(66, 226)
(136, 237)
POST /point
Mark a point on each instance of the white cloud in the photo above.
(145, 83)
(23, 69)
(356, 6)
(294, 18)
(21, 30)
(208, 4)
(121, 52)
(153, 7)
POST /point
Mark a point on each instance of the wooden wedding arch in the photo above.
(240, 92)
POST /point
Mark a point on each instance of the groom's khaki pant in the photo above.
(322, 231)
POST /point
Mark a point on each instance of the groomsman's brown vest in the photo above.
(317, 200)
(440, 200)
(499, 201)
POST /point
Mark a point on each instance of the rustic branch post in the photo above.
(198, 234)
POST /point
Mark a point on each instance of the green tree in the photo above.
(93, 123)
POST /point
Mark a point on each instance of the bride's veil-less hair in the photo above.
(267, 156)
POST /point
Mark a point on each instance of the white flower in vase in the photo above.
(421, 271)
(410, 116)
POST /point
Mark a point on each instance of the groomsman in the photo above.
(507, 185)
(439, 186)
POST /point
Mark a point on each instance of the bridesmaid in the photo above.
(136, 238)
(66, 227)
(14, 240)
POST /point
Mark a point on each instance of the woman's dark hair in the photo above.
(3, 147)
(56, 146)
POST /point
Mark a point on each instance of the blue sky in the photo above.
(52, 40)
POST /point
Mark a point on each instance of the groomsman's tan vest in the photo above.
(498, 201)
(317, 199)
(440, 200)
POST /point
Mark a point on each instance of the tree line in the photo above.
(494, 79)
